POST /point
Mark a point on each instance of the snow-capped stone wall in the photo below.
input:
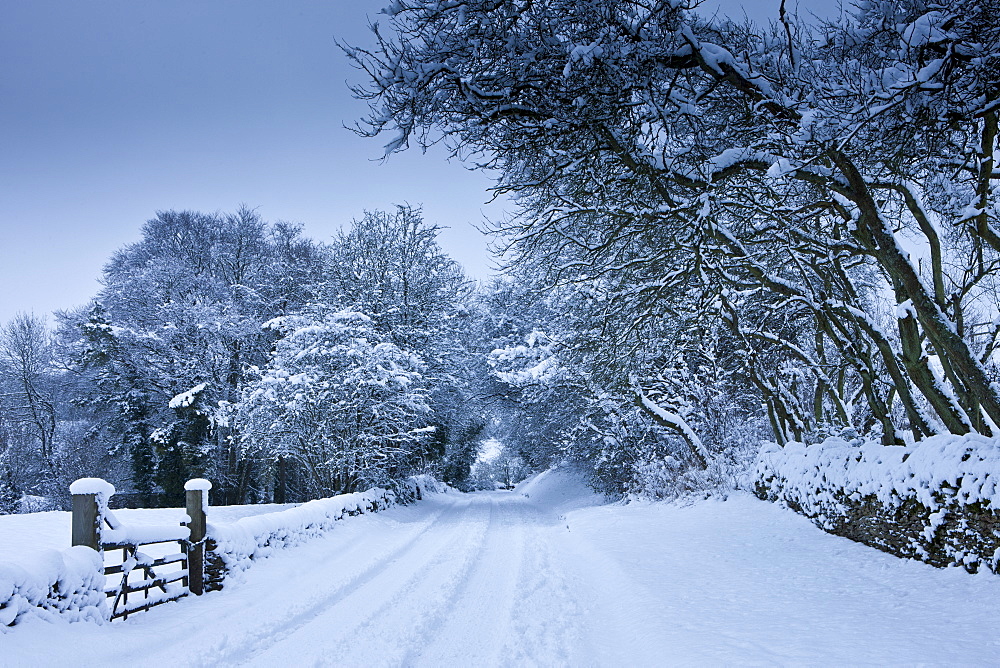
(69, 583)
(937, 501)
(233, 548)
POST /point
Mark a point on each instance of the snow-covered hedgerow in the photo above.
(937, 501)
(234, 547)
(416, 487)
(68, 583)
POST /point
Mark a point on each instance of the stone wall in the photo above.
(934, 501)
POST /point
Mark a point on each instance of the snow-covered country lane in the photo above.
(553, 579)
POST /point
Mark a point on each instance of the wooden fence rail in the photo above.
(97, 527)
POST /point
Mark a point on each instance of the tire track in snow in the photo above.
(548, 629)
(373, 623)
(473, 628)
(266, 635)
(469, 604)
(412, 616)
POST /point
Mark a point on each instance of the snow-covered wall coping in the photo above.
(969, 465)
(252, 538)
(937, 500)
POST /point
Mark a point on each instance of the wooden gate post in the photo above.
(87, 510)
(197, 499)
(85, 521)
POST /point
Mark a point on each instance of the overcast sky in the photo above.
(114, 109)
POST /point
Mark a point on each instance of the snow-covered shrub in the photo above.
(937, 501)
(670, 478)
(416, 487)
(68, 583)
(29, 503)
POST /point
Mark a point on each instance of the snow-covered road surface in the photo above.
(551, 579)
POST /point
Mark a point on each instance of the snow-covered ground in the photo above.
(53, 529)
(545, 575)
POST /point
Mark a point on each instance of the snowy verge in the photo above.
(232, 548)
(69, 583)
(936, 500)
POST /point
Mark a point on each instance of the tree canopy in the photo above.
(827, 192)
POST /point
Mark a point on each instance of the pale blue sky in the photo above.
(114, 109)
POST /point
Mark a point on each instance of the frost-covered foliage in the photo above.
(390, 266)
(162, 378)
(29, 448)
(46, 441)
(937, 500)
(181, 309)
(662, 416)
(497, 467)
(349, 407)
(68, 583)
(826, 193)
(671, 478)
(9, 494)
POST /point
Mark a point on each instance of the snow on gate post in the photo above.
(90, 499)
(197, 500)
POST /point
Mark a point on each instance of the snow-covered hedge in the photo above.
(937, 501)
(66, 582)
(415, 487)
(234, 547)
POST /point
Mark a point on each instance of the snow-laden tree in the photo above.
(9, 493)
(827, 192)
(565, 392)
(347, 405)
(47, 440)
(389, 265)
(161, 361)
(182, 309)
(26, 391)
(119, 389)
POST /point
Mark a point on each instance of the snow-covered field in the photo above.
(545, 575)
(52, 529)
